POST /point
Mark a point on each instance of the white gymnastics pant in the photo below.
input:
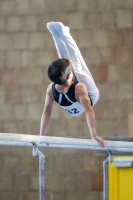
(67, 48)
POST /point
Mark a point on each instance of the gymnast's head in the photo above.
(59, 70)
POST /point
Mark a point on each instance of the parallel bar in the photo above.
(59, 142)
(62, 142)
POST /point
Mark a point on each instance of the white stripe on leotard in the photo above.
(60, 99)
(68, 98)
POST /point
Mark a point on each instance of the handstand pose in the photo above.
(73, 87)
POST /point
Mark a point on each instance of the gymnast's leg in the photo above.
(81, 71)
(60, 46)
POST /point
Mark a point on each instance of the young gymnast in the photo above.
(73, 87)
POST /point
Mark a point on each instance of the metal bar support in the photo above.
(105, 174)
(36, 152)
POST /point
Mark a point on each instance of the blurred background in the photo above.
(103, 30)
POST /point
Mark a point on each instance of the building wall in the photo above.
(103, 31)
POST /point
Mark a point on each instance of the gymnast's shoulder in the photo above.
(80, 87)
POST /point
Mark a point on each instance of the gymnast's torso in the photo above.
(68, 101)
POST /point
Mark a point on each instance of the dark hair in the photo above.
(58, 71)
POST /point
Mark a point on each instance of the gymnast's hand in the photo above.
(100, 140)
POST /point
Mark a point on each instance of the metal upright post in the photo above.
(105, 175)
(105, 179)
(36, 152)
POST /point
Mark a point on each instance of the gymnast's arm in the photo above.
(47, 111)
(81, 94)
